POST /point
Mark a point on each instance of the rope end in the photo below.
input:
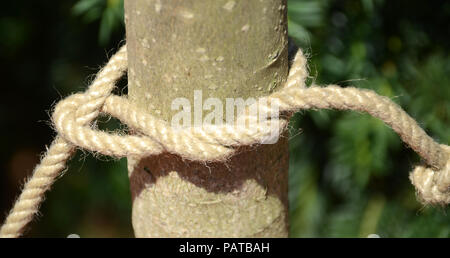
(433, 186)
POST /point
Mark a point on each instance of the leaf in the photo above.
(84, 6)
(109, 12)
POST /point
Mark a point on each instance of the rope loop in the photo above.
(74, 115)
(433, 186)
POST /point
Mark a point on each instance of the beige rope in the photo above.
(57, 155)
(73, 117)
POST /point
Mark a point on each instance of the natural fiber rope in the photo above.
(73, 117)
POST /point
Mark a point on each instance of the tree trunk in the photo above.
(225, 49)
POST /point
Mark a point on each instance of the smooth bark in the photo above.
(226, 49)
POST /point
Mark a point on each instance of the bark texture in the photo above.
(226, 49)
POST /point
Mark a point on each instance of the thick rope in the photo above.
(60, 151)
(73, 118)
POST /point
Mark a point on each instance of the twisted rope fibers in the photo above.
(73, 116)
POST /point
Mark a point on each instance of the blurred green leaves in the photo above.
(303, 15)
(110, 13)
(349, 171)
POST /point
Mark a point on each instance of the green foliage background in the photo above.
(348, 171)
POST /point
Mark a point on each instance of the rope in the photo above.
(73, 118)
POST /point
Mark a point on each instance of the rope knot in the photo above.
(433, 186)
(73, 117)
